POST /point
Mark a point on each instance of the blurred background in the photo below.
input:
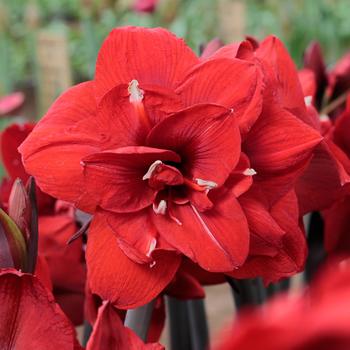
(47, 45)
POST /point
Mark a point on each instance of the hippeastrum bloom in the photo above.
(57, 224)
(313, 320)
(160, 147)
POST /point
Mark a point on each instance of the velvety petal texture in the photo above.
(29, 316)
(115, 277)
(67, 132)
(129, 47)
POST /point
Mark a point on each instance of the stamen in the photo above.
(152, 246)
(135, 98)
(152, 264)
(151, 169)
(193, 185)
(249, 172)
(308, 100)
(161, 208)
(136, 94)
(209, 185)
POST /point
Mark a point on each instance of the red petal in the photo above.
(53, 151)
(273, 262)
(216, 239)
(321, 184)
(242, 50)
(151, 56)
(336, 234)
(232, 83)
(120, 122)
(109, 333)
(308, 82)
(185, 286)
(205, 136)
(10, 140)
(279, 141)
(115, 177)
(29, 316)
(313, 60)
(113, 276)
(136, 234)
(339, 77)
(282, 76)
(341, 129)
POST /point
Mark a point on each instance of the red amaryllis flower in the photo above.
(56, 225)
(160, 148)
(316, 320)
(30, 319)
(11, 103)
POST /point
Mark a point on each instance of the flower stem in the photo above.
(178, 324)
(139, 319)
(198, 324)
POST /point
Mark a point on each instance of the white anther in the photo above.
(136, 94)
(308, 100)
(152, 246)
(209, 185)
(324, 118)
(152, 264)
(151, 169)
(249, 172)
(161, 208)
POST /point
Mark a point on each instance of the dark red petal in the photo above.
(273, 262)
(313, 60)
(323, 180)
(216, 239)
(339, 77)
(185, 286)
(205, 136)
(65, 261)
(116, 177)
(151, 56)
(53, 151)
(135, 233)
(29, 316)
(232, 83)
(113, 276)
(341, 129)
(336, 220)
(10, 140)
(109, 333)
(279, 141)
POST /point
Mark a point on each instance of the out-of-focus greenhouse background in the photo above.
(48, 45)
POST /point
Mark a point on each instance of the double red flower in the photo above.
(174, 154)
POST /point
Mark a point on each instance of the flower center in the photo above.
(175, 189)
